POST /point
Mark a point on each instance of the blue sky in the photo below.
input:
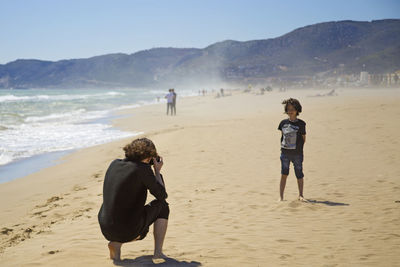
(63, 29)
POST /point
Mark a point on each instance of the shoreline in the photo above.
(104, 117)
(18, 168)
(222, 165)
(26, 166)
(52, 158)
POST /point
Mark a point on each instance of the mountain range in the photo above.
(345, 47)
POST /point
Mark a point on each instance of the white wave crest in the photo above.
(32, 139)
(55, 116)
(14, 98)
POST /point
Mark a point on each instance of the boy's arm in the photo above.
(303, 132)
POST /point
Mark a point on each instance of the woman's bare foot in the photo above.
(115, 250)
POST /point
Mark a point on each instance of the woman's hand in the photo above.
(158, 165)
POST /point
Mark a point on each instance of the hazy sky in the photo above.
(62, 29)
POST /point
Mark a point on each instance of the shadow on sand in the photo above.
(148, 261)
(327, 202)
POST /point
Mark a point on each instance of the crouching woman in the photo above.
(123, 216)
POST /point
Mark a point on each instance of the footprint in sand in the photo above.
(16, 236)
(78, 188)
(15, 239)
(42, 231)
(80, 212)
(49, 201)
(96, 175)
(6, 231)
(39, 213)
(28, 231)
(285, 256)
(52, 199)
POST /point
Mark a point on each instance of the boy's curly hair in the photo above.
(140, 149)
(293, 102)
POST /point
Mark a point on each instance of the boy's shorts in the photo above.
(297, 160)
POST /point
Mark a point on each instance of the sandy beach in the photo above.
(222, 173)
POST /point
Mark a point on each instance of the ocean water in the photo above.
(38, 121)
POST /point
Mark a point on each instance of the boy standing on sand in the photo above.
(292, 142)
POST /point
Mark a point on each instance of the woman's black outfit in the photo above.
(123, 216)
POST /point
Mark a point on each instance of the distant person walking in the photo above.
(174, 102)
(170, 101)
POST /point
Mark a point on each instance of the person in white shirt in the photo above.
(170, 100)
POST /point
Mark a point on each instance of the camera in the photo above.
(157, 158)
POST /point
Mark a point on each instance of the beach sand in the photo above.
(222, 173)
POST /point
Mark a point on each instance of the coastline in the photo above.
(70, 120)
(21, 167)
(216, 148)
(25, 166)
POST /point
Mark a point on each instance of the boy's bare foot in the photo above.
(115, 250)
(159, 255)
(280, 199)
(302, 199)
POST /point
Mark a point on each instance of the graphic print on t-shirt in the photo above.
(289, 139)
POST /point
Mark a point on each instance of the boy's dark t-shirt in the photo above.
(292, 141)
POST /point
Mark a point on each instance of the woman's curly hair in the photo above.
(140, 149)
(293, 102)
